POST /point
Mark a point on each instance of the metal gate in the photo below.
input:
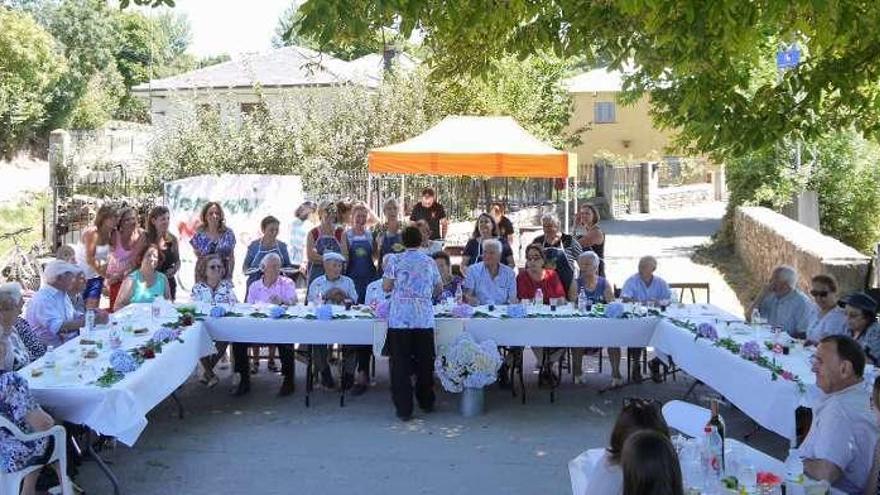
(627, 190)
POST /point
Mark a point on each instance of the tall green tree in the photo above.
(287, 34)
(29, 70)
(708, 66)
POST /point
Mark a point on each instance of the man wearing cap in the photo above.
(861, 321)
(50, 313)
(334, 279)
(783, 304)
(429, 210)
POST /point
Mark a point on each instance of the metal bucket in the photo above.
(472, 402)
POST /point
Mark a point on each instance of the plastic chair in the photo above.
(11, 482)
(580, 468)
(685, 417)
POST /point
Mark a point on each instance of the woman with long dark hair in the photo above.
(214, 237)
(650, 465)
(157, 233)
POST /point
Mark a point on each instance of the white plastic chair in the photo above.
(685, 417)
(11, 482)
(580, 468)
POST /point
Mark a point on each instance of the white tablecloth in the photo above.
(120, 410)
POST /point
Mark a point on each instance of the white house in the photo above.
(229, 87)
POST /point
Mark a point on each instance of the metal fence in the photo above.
(675, 171)
(627, 189)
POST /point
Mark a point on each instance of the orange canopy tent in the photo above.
(474, 146)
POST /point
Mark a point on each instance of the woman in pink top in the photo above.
(126, 242)
(271, 288)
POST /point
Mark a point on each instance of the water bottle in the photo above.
(155, 309)
(756, 317)
(794, 466)
(539, 297)
(582, 301)
(90, 322)
(319, 299)
(459, 295)
(49, 358)
(712, 452)
(114, 336)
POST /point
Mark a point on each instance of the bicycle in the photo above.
(22, 266)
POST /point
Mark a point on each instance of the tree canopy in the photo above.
(708, 66)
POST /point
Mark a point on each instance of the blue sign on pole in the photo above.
(788, 59)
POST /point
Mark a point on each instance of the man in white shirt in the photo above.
(50, 313)
(840, 445)
(490, 281)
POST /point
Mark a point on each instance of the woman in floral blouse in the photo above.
(211, 287)
(214, 237)
(18, 405)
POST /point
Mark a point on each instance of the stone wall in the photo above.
(671, 198)
(765, 239)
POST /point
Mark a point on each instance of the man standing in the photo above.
(413, 280)
(429, 210)
(783, 304)
(840, 445)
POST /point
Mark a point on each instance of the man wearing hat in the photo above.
(331, 282)
(50, 313)
(861, 320)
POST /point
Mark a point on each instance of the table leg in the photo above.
(180, 410)
(520, 364)
(90, 450)
(309, 374)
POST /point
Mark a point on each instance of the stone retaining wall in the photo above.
(671, 198)
(765, 239)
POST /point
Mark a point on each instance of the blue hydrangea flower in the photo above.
(122, 361)
(276, 312)
(614, 310)
(218, 312)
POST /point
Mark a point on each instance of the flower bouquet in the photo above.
(468, 366)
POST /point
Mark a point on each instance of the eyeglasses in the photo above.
(819, 293)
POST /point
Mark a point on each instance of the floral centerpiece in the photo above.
(468, 364)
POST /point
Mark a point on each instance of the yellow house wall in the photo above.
(633, 124)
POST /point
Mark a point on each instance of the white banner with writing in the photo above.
(245, 199)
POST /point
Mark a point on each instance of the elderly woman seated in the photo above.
(31, 340)
(330, 287)
(14, 354)
(18, 406)
(270, 288)
(490, 281)
(861, 320)
(50, 312)
(146, 284)
(830, 319)
(212, 287)
(596, 289)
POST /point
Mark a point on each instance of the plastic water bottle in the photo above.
(459, 295)
(794, 466)
(756, 317)
(712, 452)
(155, 309)
(49, 358)
(582, 301)
(539, 297)
(90, 322)
(319, 299)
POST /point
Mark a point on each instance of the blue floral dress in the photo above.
(16, 402)
(224, 245)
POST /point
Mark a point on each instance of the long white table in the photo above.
(119, 410)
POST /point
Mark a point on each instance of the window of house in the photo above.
(603, 112)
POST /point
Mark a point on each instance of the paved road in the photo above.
(263, 444)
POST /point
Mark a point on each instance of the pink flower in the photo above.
(787, 375)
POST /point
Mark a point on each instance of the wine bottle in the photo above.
(717, 422)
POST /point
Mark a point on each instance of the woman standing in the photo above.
(388, 240)
(327, 236)
(361, 268)
(128, 240)
(299, 229)
(596, 289)
(561, 250)
(214, 237)
(146, 284)
(589, 235)
(484, 228)
(505, 226)
(97, 240)
(158, 234)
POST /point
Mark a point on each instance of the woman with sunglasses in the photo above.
(830, 318)
(212, 287)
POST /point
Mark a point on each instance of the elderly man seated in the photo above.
(490, 281)
(270, 288)
(324, 286)
(840, 445)
(645, 287)
(783, 304)
(50, 312)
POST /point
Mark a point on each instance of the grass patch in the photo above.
(27, 212)
(722, 257)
